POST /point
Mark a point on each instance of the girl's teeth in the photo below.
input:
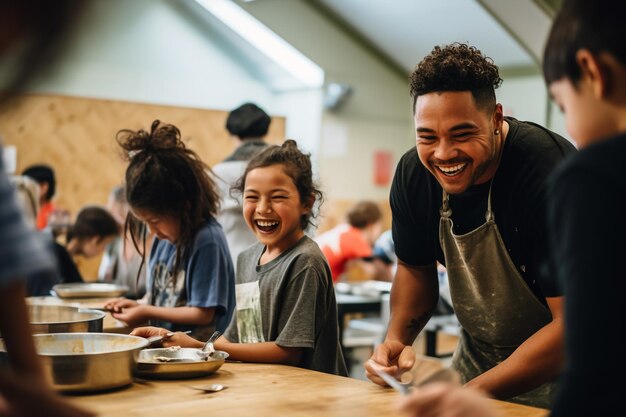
(266, 223)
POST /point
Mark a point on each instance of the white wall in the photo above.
(526, 98)
(376, 117)
(147, 51)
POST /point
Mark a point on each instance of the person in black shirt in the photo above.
(473, 198)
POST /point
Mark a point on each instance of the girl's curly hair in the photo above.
(166, 177)
(457, 67)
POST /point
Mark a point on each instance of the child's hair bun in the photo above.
(162, 136)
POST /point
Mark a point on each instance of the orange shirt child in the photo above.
(342, 244)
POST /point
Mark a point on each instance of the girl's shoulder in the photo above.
(210, 232)
(307, 253)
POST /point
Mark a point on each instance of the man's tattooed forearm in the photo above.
(416, 324)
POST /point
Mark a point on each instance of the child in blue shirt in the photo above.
(190, 273)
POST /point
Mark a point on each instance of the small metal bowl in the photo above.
(64, 319)
(183, 363)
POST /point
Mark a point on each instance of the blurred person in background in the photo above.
(44, 175)
(122, 262)
(31, 34)
(93, 230)
(348, 247)
(248, 124)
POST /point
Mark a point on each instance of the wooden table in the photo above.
(109, 324)
(262, 391)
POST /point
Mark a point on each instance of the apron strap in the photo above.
(489, 214)
(445, 210)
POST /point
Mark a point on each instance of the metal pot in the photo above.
(64, 319)
(82, 362)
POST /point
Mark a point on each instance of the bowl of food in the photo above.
(45, 318)
(85, 362)
(176, 362)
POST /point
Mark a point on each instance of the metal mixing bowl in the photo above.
(64, 319)
(82, 362)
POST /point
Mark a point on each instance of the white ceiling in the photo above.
(406, 30)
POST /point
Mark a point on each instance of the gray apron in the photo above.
(496, 309)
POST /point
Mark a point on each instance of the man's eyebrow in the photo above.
(463, 126)
(460, 126)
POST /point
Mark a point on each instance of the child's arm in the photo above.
(265, 352)
(141, 313)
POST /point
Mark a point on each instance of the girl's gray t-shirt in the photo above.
(289, 301)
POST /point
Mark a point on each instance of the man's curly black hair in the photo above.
(457, 67)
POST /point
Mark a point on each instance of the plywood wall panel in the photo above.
(77, 137)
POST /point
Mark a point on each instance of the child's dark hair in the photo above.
(42, 174)
(364, 213)
(93, 221)
(457, 67)
(165, 177)
(582, 24)
(297, 166)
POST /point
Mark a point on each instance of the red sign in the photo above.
(383, 167)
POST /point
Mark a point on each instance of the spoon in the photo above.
(208, 387)
(208, 349)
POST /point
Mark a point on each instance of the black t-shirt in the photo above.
(518, 199)
(588, 246)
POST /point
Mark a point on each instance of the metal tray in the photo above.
(186, 363)
(89, 290)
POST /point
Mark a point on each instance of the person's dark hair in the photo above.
(42, 174)
(297, 165)
(580, 24)
(248, 121)
(93, 221)
(457, 67)
(165, 177)
(364, 213)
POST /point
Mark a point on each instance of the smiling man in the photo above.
(473, 198)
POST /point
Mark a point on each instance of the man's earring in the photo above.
(497, 132)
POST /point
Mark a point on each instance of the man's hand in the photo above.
(393, 357)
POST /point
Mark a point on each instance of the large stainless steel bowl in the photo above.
(83, 362)
(64, 319)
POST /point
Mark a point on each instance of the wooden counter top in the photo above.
(260, 390)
